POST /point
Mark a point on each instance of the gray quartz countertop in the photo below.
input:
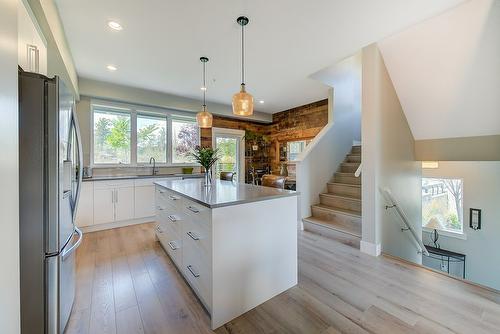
(135, 177)
(223, 193)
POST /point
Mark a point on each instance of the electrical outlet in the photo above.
(444, 267)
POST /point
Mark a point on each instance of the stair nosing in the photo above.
(331, 226)
(338, 210)
(346, 184)
(341, 196)
(346, 173)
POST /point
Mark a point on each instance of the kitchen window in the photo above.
(128, 135)
(111, 137)
(151, 138)
(185, 136)
(294, 148)
(442, 204)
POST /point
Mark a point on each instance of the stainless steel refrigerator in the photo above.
(50, 176)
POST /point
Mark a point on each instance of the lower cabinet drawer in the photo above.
(173, 220)
(198, 235)
(171, 243)
(197, 272)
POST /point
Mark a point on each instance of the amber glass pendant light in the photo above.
(204, 118)
(242, 101)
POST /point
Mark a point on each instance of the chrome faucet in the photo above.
(154, 165)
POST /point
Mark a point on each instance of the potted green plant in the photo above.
(206, 157)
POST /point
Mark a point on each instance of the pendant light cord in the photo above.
(242, 54)
(204, 85)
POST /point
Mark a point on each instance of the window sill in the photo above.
(457, 235)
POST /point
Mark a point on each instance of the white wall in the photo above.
(9, 190)
(481, 191)
(120, 93)
(321, 158)
(446, 72)
(388, 162)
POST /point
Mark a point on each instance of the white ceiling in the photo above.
(287, 41)
(446, 72)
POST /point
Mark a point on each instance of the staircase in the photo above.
(338, 214)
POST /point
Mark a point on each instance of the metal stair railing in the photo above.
(394, 205)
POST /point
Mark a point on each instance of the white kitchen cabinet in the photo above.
(104, 206)
(32, 45)
(85, 210)
(124, 203)
(145, 196)
(144, 201)
(113, 201)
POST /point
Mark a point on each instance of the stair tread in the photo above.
(351, 163)
(345, 184)
(339, 210)
(352, 229)
(342, 196)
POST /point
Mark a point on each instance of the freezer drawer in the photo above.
(61, 278)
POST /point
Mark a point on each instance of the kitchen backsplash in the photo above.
(121, 171)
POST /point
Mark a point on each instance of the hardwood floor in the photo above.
(127, 284)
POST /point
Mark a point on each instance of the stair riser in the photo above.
(344, 238)
(342, 203)
(330, 215)
(339, 189)
(348, 168)
(353, 158)
(349, 179)
(356, 150)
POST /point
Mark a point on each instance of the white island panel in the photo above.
(254, 255)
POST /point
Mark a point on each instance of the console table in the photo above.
(448, 256)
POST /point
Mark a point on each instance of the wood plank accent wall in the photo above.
(300, 123)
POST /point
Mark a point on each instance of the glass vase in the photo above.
(208, 178)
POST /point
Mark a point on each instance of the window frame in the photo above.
(444, 232)
(170, 147)
(115, 109)
(135, 111)
(288, 148)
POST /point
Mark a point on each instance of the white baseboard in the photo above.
(123, 223)
(370, 248)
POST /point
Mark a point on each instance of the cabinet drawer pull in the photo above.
(161, 191)
(160, 208)
(171, 244)
(192, 236)
(172, 218)
(158, 228)
(193, 209)
(173, 198)
(190, 268)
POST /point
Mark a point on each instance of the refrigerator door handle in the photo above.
(80, 163)
(70, 250)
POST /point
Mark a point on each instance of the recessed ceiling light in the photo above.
(111, 67)
(261, 101)
(115, 25)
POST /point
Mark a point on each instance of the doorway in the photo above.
(231, 148)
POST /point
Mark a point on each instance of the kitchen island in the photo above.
(235, 244)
